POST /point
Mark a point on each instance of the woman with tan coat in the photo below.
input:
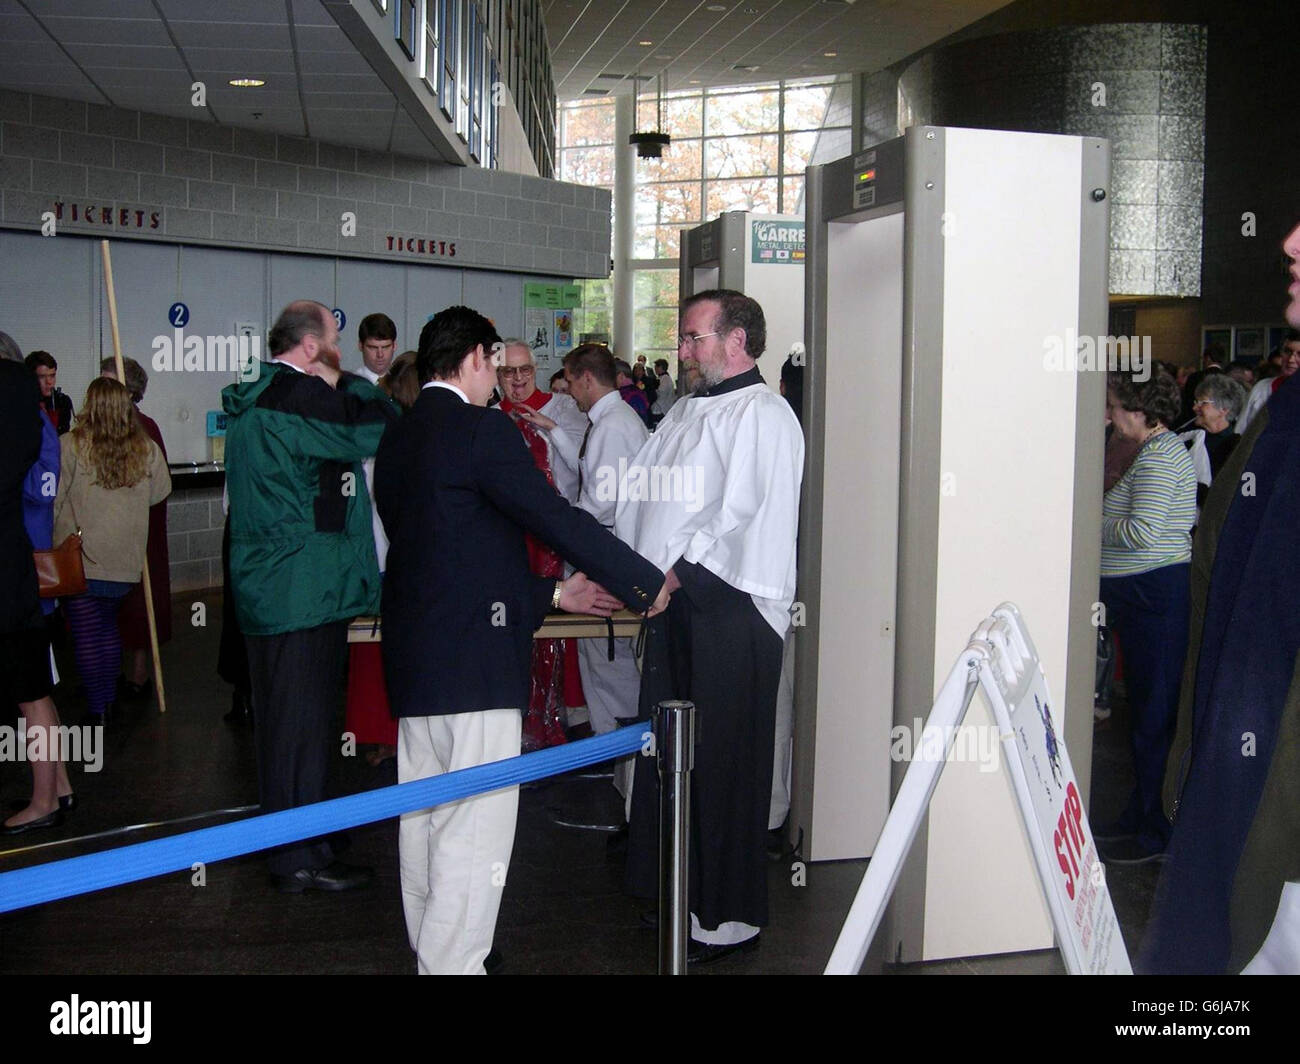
(111, 474)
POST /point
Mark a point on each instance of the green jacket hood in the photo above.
(242, 396)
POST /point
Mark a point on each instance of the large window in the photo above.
(736, 150)
(733, 149)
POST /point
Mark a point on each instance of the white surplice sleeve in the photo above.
(749, 541)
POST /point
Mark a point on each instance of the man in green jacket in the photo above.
(302, 561)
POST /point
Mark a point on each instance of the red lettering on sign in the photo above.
(1065, 864)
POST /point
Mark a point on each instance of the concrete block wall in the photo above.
(153, 177)
(194, 525)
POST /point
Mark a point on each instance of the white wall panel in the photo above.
(1006, 515)
(370, 288)
(301, 277)
(47, 302)
(51, 297)
(429, 289)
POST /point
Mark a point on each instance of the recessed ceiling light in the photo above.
(830, 55)
(247, 83)
(694, 81)
(645, 44)
(745, 67)
(715, 7)
(663, 55)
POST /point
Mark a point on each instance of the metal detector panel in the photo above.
(981, 485)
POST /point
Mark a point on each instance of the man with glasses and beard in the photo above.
(726, 538)
(302, 561)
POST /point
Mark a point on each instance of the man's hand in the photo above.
(534, 417)
(581, 595)
(329, 374)
(671, 584)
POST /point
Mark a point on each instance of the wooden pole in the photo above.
(148, 588)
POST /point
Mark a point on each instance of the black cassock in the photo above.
(712, 647)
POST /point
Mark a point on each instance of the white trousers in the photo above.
(613, 691)
(454, 857)
(612, 688)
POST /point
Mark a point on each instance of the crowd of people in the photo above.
(1198, 583)
(484, 520)
(102, 479)
(442, 489)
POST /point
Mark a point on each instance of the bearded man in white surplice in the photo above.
(714, 494)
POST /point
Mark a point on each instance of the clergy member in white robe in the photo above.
(713, 497)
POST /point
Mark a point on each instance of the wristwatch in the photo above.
(555, 598)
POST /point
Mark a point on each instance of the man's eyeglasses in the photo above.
(692, 339)
(516, 371)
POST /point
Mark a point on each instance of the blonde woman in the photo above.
(111, 474)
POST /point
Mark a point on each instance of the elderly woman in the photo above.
(1219, 400)
(1146, 523)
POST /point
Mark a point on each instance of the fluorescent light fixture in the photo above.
(247, 83)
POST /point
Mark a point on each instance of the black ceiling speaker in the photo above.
(651, 144)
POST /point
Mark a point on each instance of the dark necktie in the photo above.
(582, 453)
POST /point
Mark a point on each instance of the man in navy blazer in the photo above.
(457, 489)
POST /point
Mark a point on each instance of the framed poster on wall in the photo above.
(1217, 335)
(1248, 342)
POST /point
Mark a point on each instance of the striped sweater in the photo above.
(1147, 517)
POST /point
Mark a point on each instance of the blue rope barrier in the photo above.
(55, 880)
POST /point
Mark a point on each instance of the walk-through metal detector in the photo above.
(761, 255)
(954, 460)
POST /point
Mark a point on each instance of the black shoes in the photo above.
(704, 952)
(112, 715)
(67, 802)
(50, 820)
(128, 689)
(1130, 850)
(707, 953)
(333, 877)
(241, 708)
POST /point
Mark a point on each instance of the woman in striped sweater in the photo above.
(1147, 517)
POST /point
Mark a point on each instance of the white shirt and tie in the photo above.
(616, 432)
(609, 443)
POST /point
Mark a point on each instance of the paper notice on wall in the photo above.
(539, 329)
(563, 333)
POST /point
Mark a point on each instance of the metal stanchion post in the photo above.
(675, 744)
